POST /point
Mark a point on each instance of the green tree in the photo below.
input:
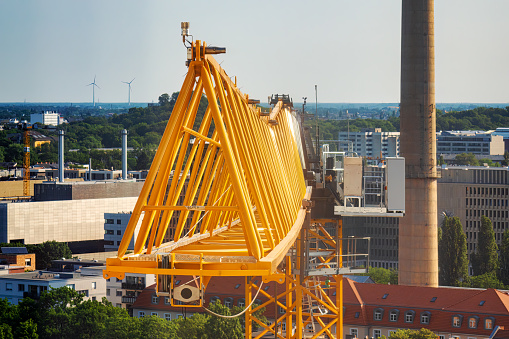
(157, 328)
(466, 159)
(503, 269)
(223, 328)
(48, 251)
(27, 330)
(164, 99)
(259, 315)
(423, 333)
(485, 259)
(452, 253)
(486, 280)
(6, 332)
(192, 327)
(382, 275)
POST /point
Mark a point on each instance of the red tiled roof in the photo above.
(448, 302)
(362, 299)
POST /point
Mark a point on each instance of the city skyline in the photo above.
(350, 50)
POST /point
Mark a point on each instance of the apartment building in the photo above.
(371, 143)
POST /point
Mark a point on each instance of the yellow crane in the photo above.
(229, 198)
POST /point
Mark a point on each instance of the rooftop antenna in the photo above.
(94, 85)
(129, 94)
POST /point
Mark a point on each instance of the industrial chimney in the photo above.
(124, 154)
(60, 156)
(418, 244)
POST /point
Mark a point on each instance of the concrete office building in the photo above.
(476, 142)
(371, 143)
(471, 192)
(67, 212)
(463, 191)
(64, 221)
(46, 118)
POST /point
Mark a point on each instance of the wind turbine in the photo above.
(129, 94)
(94, 85)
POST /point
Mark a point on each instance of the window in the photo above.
(283, 326)
(354, 332)
(409, 316)
(393, 315)
(141, 314)
(237, 286)
(180, 316)
(155, 299)
(228, 302)
(109, 221)
(71, 286)
(472, 322)
(119, 221)
(109, 232)
(119, 232)
(357, 314)
(213, 300)
(378, 314)
(456, 321)
(108, 292)
(441, 336)
(21, 287)
(385, 296)
(167, 316)
(94, 285)
(425, 316)
(28, 262)
(266, 288)
(488, 323)
(242, 302)
(119, 293)
(154, 313)
(391, 332)
(433, 299)
(167, 300)
(377, 333)
(8, 286)
(94, 298)
(118, 305)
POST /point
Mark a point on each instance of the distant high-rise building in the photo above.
(371, 143)
(46, 118)
(476, 142)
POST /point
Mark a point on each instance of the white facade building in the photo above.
(46, 118)
(371, 143)
(17, 286)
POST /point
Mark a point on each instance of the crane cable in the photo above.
(238, 314)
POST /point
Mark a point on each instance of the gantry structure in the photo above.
(227, 186)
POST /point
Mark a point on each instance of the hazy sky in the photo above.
(50, 50)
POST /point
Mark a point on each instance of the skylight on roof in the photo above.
(433, 299)
(385, 296)
(482, 302)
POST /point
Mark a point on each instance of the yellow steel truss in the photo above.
(230, 185)
(227, 186)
